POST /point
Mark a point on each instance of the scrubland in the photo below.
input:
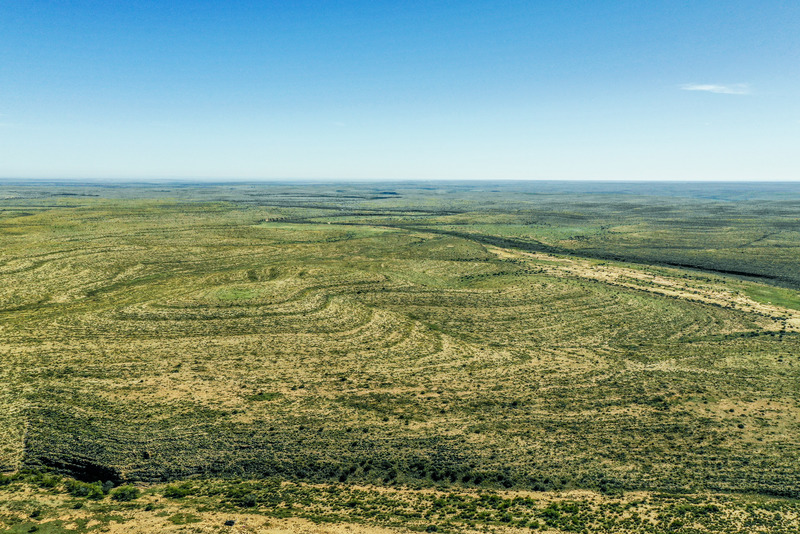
(389, 357)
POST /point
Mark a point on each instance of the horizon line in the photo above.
(144, 180)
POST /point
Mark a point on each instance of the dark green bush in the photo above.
(248, 501)
(125, 493)
(76, 488)
(177, 492)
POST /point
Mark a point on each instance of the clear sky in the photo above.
(631, 90)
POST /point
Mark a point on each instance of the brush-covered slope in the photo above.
(154, 340)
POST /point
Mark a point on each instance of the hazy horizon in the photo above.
(301, 180)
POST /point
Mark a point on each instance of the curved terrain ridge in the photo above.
(188, 339)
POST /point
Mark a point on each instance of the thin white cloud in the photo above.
(735, 89)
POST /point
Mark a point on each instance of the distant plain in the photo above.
(513, 356)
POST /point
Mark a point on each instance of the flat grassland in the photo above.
(380, 357)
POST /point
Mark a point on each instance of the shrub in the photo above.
(177, 492)
(125, 493)
(45, 480)
(76, 488)
(248, 501)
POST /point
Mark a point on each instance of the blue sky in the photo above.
(670, 90)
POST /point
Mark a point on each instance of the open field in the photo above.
(362, 343)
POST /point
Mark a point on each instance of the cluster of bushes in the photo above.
(89, 490)
(98, 490)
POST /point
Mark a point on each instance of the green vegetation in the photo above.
(210, 503)
(778, 296)
(183, 518)
(125, 493)
(223, 346)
